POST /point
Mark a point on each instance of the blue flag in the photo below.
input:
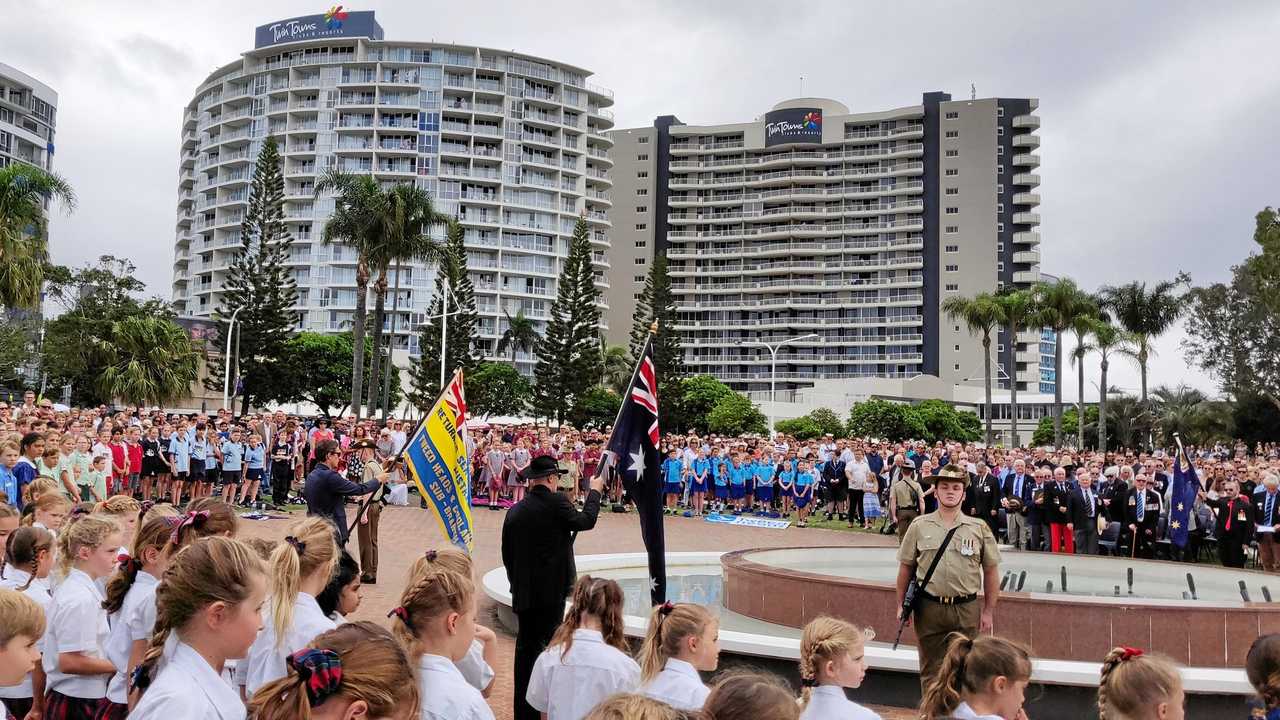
(437, 461)
(1182, 500)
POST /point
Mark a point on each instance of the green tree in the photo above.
(15, 349)
(616, 367)
(657, 304)
(1127, 418)
(884, 419)
(1233, 328)
(1146, 315)
(736, 415)
(697, 396)
(983, 315)
(943, 422)
(1019, 310)
(1107, 339)
(147, 360)
(1178, 410)
(24, 230)
(259, 290)
(404, 219)
(569, 353)
(459, 326)
(1255, 418)
(497, 389)
(1061, 304)
(1082, 327)
(597, 408)
(820, 422)
(316, 368)
(521, 335)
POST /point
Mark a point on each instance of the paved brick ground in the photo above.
(408, 531)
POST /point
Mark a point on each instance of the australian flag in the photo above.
(633, 452)
(1182, 500)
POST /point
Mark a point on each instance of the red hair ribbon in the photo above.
(1129, 653)
(399, 612)
(195, 519)
(124, 561)
(666, 608)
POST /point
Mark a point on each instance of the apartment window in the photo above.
(953, 115)
(999, 169)
(953, 191)
(999, 150)
(953, 229)
(957, 366)
(642, 243)
(642, 226)
(1000, 266)
(999, 189)
(999, 247)
(951, 134)
(957, 328)
(957, 348)
(642, 174)
(642, 191)
(1000, 207)
(953, 153)
(1000, 347)
(952, 287)
(640, 261)
(999, 227)
(952, 172)
(638, 278)
(953, 248)
(644, 140)
(953, 211)
(953, 268)
(1000, 285)
(642, 208)
(642, 157)
(999, 112)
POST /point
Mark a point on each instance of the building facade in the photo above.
(28, 114)
(843, 231)
(512, 145)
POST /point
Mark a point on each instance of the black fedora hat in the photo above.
(542, 466)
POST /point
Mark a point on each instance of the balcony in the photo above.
(1027, 121)
(1029, 257)
(1028, 179)
(1026, 141)
(1026, 218)
(1026, 198)
(1026, 160)
(1027, 238)
(1027, 277)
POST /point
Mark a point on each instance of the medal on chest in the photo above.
(1240, 517)
(967, 548)
(1132, 501)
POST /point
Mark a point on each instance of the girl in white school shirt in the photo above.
(436, 620)
(586, 660)
(300, 569)
(832, 659)
(208, 611)
(682, 640)
(983, 678)
(74, 660)
(28, 561)
(477, 665)
(131, 609)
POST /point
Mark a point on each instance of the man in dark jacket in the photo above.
(326, 490)
(1142, 517)
(537, 550)
(1084, 507)
(986, 497)
(1235, 523)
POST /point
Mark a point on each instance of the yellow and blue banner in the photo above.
(436, 459)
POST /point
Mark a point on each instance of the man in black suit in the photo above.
(986, 497)
(1235, 523)
(537, 550)
(1084, 506)
(1266, 508)
(1017, 491)
(1142, 516)
(1038, 514)
(1057, 502)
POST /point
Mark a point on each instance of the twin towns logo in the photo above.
(308, 27)
(794, 124)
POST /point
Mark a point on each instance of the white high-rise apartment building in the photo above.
(28, 113)
(514, 146)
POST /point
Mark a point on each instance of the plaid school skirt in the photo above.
(108, 710)
(65, 707)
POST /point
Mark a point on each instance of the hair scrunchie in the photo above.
(809, 682)
(665, 608)
(194, 518)
(298, 545)
(128, 563)
(319, 672)
(431, 555)
(1129, 653)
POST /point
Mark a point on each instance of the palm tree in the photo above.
(149, 360)
(1060, 304)
(357, 200)
(983, 315)
(1178, 410)
(404, 219)
(1146, 314)
(1019, 310)
(1107, 338)
(1081, 327)
(617, 366)
(24, 230)
(1127, 417)
(519, 335)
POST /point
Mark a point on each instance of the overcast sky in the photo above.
(1157, 119)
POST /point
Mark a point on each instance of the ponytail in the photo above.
(968, 667)
(310, 547)
(1262, 665)
(23, 547)
(593, 596)
(204, 517)
(152, 535)
(669, 625)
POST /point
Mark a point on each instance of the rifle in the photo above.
(909, 598)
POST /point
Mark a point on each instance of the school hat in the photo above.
(950, 471)
(542, 466)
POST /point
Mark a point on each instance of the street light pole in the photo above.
(226, 373)
(773, 368)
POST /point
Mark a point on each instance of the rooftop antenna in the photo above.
(801, 86)
(973, 91)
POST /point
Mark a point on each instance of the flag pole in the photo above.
(653, 330)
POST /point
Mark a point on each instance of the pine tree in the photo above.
(462, 323)
(656, 303)
(258, 283)
(569, 354)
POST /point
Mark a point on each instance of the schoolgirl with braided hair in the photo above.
(74, 660)
(832, 658)
(435, 621)
(131, 607)
(204, 517)
(1136, 685)
(683, 639)
(586, 660)
(983, 678)
(208, 611)
(355, 671)
(28, 560)
(299, 569)
(1262, 666)
(477, 666)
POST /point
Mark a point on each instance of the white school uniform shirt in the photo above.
(828, 702)
(39, 591)
(77, 623)
(446, 693)
(135, 620)
(678, 685)
(474, 669)
(188, 687)
(266, 659)
(567, 687)
(964, 712)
